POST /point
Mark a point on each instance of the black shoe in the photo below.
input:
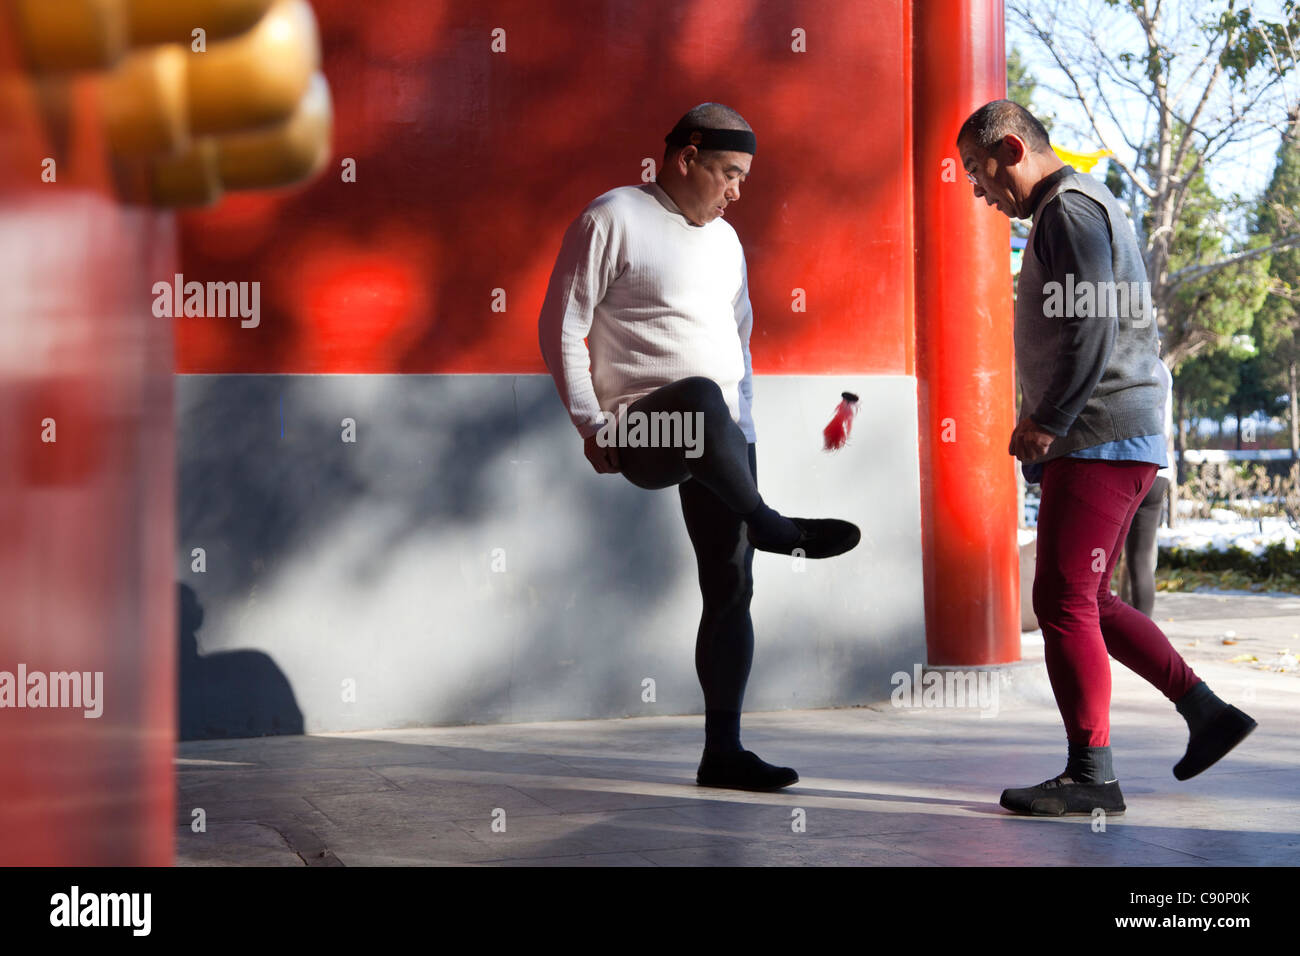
(1213, 741)
(742, 770)
(1061, 797)
(818, 538)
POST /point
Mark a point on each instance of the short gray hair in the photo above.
(992, 122)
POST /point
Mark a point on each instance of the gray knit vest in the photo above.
(1128, 401)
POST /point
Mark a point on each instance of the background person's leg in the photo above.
(1140, 549)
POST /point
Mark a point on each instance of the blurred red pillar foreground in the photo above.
(87, 585)
(964, 354)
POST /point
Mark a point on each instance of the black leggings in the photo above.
(724, 643)
(1140, 548)
(721, 464)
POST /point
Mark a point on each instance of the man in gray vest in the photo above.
(1091, 433)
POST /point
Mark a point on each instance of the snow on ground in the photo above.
(1224, 530)
(1227, 530)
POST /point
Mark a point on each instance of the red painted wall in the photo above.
(470, 165)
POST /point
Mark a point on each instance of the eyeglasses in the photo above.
(973, 180)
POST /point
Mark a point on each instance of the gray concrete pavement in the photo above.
(880, 785)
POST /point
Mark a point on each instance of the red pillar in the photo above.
(87, 512)
(964, 347)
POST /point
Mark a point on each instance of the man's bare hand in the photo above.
(603, 459)
(1029, 443)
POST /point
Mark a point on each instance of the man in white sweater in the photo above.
(647, 322)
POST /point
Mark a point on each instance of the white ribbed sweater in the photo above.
(657, 300)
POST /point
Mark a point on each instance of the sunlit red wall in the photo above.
(471, 163)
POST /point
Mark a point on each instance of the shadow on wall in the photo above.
(461, 562)
(230, 693)
(371, 562)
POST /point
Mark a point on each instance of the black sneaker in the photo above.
(742, 770)
(1061, 796)
(1213, 741)
(818, 538)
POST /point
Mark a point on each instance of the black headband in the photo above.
(737, 140)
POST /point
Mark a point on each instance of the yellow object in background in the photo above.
(247, 108)
(71, 35)
(286, 153)
(159, 99)
(252, 111)
(169, 21)
(190, 179)
(280, 155)
(59, 35)
(144, 102)
(257, 78)
(1083, 162)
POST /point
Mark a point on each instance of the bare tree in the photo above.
(1170, 89)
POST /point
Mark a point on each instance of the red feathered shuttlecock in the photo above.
(837, 432)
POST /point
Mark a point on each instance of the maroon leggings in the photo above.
(1087, 507)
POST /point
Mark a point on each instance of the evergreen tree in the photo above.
(1277, 323)
(1207, 312)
